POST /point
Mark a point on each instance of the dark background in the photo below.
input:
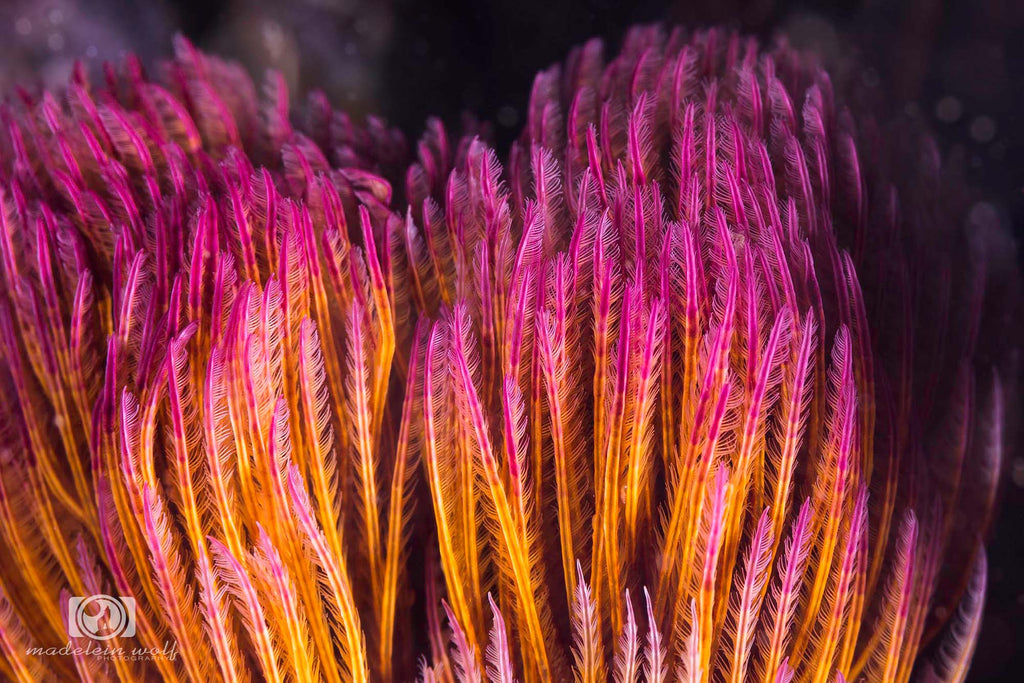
(957, 66)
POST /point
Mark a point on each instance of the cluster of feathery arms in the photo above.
(615, 410)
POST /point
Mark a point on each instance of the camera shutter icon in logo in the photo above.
(101, 617)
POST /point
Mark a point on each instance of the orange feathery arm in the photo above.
(289, 620)
(400, 503)
(745, 611)
(551, 343)
(838, 616)
(336, 577)
(831, 491)
(177, 596)
(236, 578)
(435, 393)
(221, 453)
(315, 400)
(785, 596)
(217, 624)
(640, 456)
(360, 403)
(514, 538)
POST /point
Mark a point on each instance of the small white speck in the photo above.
(23, 26)
(91, 51)
(56, 16)
(55, 42)
(983, 129)
(949, 109)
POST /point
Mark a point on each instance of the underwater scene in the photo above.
(383, 340)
